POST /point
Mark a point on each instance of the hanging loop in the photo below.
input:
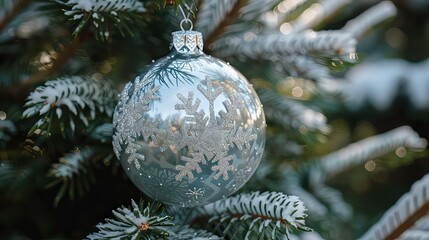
(186, 20)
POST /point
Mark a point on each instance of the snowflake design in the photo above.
(129, 119)
(196, 193)
(209, 139)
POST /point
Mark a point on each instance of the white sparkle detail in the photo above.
(196, 193)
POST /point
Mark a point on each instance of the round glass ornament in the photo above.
(189, 129)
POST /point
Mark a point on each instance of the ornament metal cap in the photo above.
(188, 41)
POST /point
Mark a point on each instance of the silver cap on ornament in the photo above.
(188, 41)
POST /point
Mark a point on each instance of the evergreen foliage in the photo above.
(56, 118)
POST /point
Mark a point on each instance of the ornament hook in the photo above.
(185, 19)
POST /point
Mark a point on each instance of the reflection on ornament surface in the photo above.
(195, 121)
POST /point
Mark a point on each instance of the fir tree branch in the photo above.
(102, 133)
(122, 13)
(371, 17)
(293, 182)
(69, 98)
(215, 16)
(370, 148)
(323, 43)
(304, 67)
(184, 232)
(140, 221)
(401, 216)
(21, 4)
(328, 195)
(292, 114)
(419, 231)
(73, 173)
(321, 200)
(268, 214)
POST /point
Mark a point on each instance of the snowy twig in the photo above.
(292, 183)
(137, 222)
(211, 15)
(330, 43)
(371, 148)
(292, 114)
(328, 195)
(79, 6)
(72, 172)
(99, 12)
(72, 163)
(269, 213)
(419, 231)
(378, 83)
(76, 94)
(371, 17)
(103, 133)
(304, 67)
(184, 232)
(408, 209)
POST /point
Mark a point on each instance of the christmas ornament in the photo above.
(189, 129)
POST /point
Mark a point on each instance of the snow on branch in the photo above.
(69, 98)
(378, 83)
(304, 67)
(72, 172)
(330, 43)
(319, 198)
(184, 232)
(123, 14)
(212, 13)
(371, 17)
(328, 195)
(371, 148)
(408, 209)
(269, 214)
(292, 114)
(419, 231)
(102, 133)
(104, 6)
(139, 221)
(293, 185)
(72, 164)
(317, 13)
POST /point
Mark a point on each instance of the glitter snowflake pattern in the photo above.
(130, 124)
(195, 193)
(210, 138)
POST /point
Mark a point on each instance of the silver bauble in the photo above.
(189, 129)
